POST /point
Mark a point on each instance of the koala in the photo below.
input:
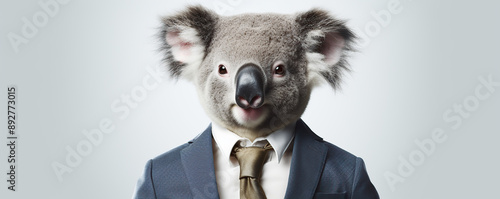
(254, 74)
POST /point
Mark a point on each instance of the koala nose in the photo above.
(250, 81)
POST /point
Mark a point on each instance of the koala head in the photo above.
(254, 72)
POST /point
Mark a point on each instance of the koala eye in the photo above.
(279, 70)
(222, 69)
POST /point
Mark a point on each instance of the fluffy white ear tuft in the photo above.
(183, 44)
(185, 37)
(326, 41)
(187, 49)
(332, 48)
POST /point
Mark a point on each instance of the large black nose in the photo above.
(250, 81)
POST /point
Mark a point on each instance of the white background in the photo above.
(424, 61)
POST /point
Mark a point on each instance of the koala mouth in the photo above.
(250, 116)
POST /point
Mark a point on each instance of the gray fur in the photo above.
(262, 39)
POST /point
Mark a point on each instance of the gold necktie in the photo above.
(251, 161)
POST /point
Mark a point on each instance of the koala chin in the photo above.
(254, 72)
(250, 117)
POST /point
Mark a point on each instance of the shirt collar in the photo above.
(279, 140)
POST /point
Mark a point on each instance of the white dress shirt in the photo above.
(276, 169)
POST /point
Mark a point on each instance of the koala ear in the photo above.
(185, 38)
(326, 41)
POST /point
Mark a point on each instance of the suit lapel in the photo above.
(308, 159)
(198, 162)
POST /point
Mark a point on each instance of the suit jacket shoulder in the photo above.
(343, 175)
(163, 174)
(341, 167)
(186, 171)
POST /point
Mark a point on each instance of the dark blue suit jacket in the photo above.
(318, 170)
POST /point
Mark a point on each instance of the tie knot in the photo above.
(251, 160)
